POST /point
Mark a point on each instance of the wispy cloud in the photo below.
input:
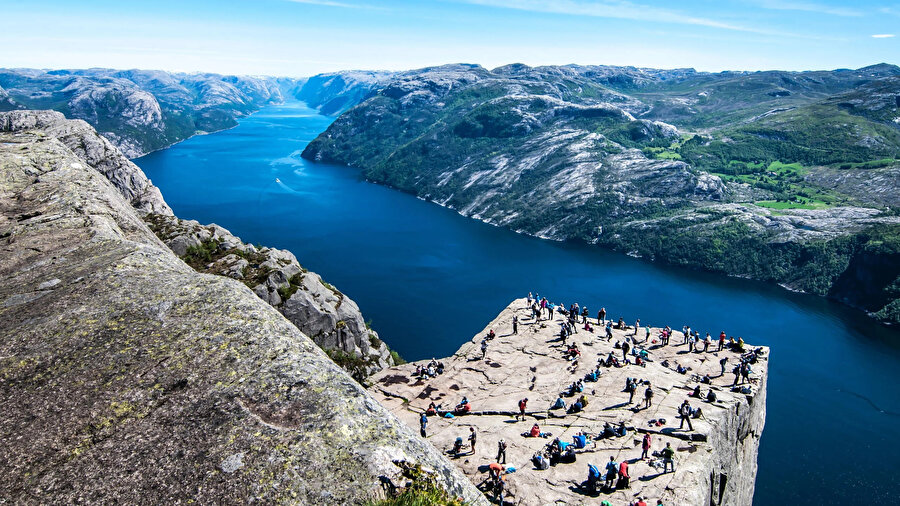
(621, 9)
(883, 36)
(810, 7)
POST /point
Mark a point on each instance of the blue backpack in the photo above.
(593, 472)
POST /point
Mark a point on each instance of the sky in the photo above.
(297, 38)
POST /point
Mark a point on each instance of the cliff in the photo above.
(779, 176)
(317, 308)
(715, 464)
(127, 376)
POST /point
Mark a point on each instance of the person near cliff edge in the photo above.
(601, 316)
(423, 422)
(515, 324)
(473, 436)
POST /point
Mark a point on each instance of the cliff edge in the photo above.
(126, 376)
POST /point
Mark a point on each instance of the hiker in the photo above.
(540, 462)
(685, 411)
(522, 405)
(423, 421)
(612, 470)
(535, 430)
(501, 451)
(640, 502)
(696, 392)
(706, 343)
(647, 334)
(559, 404)
(645, 446)
(722, 364)
(484, 347)
(637, 326)
(499, 486)
(473, 436)
(711, 396)
(593, 478)
(551, 308)
(630, 387)
(515, 324)
(609, 334)
(624, 478)
(721, 341)
(601, 316)
(668, 455)
(648, 396)
(737, 374)
(664, 336)
(745, 373)
(625, 348)
(432, 409)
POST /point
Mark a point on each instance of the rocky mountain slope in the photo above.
(141, 110)
(127, 376)
(335, 92)
(317, 308)
(731, 172)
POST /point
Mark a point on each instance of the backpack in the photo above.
(593, 472)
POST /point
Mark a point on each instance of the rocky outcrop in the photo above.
(93, 150)
(715, 463)
(128, 377)
(317, 308)
(141, 110)
(334, 92)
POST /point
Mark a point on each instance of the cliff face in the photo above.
(715, 463)
(126, 376)
(141, 110)
(328, 316)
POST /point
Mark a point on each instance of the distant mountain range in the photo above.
(792, 177)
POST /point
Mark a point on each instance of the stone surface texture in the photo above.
(714, 465)
(128, 377)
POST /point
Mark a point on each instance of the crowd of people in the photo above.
(635, 349)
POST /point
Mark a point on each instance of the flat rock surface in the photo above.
(531, 364)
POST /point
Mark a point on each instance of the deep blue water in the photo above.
(430, 279)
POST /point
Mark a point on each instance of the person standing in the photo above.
(612, 469)
(624, 478)
(668, 458)
(645, 446)
(501, 451)
(707, 342)
(423, 422)
(722, 364)
(473, 436)
(637, 325)
(515, 324)
(552, 307)
(721, 341)
(685, 412)
(625, 348)
(522, 405)
(601, 316)
(648, 396)
(484, 347)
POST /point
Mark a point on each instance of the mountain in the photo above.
(141, 110)
(735, 172)
(335, 92)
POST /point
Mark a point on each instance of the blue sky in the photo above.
(305, 37)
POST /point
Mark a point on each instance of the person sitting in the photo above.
(535, 430)
(559, 404)
(622, 431)
(706, 380)
(540, 462)
(711, 396)
(608, 431)
(432, 409)
(580, 440)
(575, 408)
(463, 407)
(681, 369)
(592, 376)
(568, 455)
(696, 392)
(588, 327)
(583, 400)
(579, 386)
(491, 335)
(457, 446)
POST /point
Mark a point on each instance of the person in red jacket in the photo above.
(645, 446)
(624, 479)
(522, 404)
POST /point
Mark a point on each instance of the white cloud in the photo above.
(329, 3)
(883, 36)
(809, 7)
